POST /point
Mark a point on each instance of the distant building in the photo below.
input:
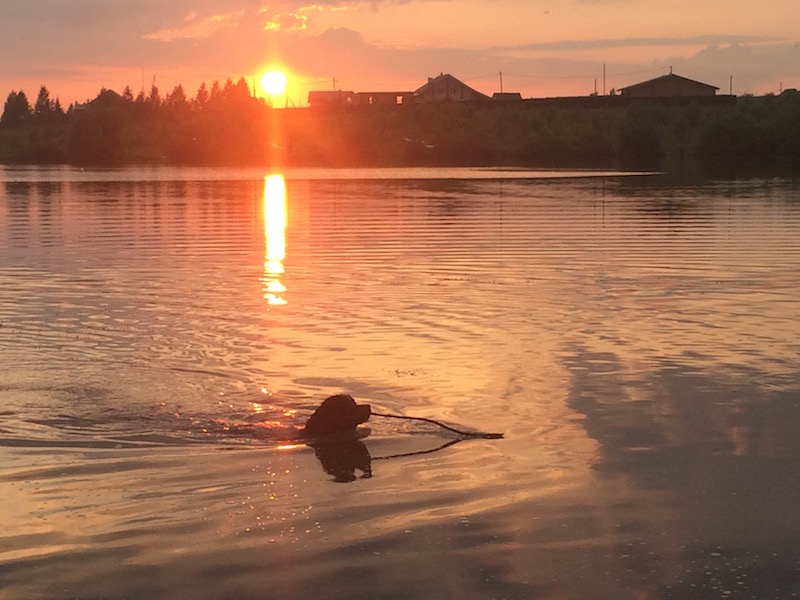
(668, 86)
(507, 97)
(383, 98)
(446, 88)
(339, 98)
(319, 99)
(105, 99)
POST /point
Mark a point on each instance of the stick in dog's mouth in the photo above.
(340, 414)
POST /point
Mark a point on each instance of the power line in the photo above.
(567, 77)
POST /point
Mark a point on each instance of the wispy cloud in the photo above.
(640, 42)
(197, 28)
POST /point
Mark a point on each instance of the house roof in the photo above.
(669, 77)
(507, 96)
(443, 77)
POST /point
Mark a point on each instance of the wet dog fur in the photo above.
(337, 415)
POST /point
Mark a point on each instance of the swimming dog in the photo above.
(332, 432)
(337, 415)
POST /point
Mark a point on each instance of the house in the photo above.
(669, 86)
(445, 87)
(383, 98)
(329, 99)
(507, 97)
(326, 99)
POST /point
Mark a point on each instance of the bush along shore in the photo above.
(225, 125)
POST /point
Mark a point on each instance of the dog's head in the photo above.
(337, 414)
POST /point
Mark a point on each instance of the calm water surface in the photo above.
(165, 332)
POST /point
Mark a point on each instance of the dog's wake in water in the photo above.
(334, 431)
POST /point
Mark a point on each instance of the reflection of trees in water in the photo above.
(716, 457)
(678, 408)
(18, 189)
(18, 208)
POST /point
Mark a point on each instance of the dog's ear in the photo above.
(363, 412)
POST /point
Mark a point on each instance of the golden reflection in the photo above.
(274, 238)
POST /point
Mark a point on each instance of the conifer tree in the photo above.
(43, 107)
(17, 109)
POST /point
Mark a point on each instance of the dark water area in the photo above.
(165, 332)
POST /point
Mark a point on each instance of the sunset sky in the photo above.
(542, 47)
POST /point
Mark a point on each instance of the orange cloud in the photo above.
(286, 22)
(196, 28)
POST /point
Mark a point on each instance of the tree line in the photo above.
(216, 126)
(223, 124)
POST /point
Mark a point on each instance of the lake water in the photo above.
(164, 333)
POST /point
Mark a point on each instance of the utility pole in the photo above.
(501, 82)
(604, 79)
(334, 84)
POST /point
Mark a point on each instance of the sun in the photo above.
(273, 82)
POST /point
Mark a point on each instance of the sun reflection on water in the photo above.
(285, 447)
(274, 239)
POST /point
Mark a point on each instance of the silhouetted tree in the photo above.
(43, 107)
(176, 106)
(154, 99)
(17, 109)
(201, 97)
(177, 97)
(215, 94)
(227, 89)
(57, 108)
(242, 89)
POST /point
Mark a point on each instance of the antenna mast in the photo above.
(604, 79)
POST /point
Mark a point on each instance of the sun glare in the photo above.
(273, 82)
